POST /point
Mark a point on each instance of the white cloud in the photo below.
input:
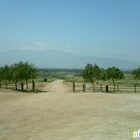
(96, 49)
(68, 49)
(39, 46)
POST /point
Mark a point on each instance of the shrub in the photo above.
(45, 80)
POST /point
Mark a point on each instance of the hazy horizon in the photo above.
(107, 29)
(62, 59)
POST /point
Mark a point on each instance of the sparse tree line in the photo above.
(92, 73)
(17, 72)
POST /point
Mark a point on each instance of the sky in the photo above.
(103, 28)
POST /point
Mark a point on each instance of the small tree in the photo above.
(29, 72)
(136, 74)
(45, 80)
(91, 73)
(6, 74)
(114, 73)
(15, 74)
(20, 71)
(1, 75)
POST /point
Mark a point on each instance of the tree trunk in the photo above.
(113, 84)
(100, 87)
(93, 86)
(27, 83)
(16, 86)
(15, 82)
(6, 84)
(22, 86)
(33, 85)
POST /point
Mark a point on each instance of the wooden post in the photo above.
(83, 87)
(16, 84)
(101, 87)
(106, 88)
(33, 85)
(73, 86)
(135, 88)
(22, 86)
(118, 88)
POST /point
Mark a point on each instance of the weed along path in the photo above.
(60, 114)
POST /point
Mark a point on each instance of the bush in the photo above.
(45, 80)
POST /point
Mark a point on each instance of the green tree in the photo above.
(29, 72)
(114, 73)
(20, 71)
(91, 73)
(1, 75)
(15, 73)
(136, 74)
(6, 72)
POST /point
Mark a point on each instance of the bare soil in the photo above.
(59, 114)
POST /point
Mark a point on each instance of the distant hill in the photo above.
(61, 59)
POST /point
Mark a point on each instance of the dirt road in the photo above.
(60, 114)
(57, 87)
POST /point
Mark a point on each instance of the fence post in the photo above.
(73, 86)
(135, 88)
(22, 86)
(106, 88)
(101, 87)
(33, 85)
(118, 88)
(83, 87)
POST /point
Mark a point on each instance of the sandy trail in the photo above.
(57, 86)
(63, 115)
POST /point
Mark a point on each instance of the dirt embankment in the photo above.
(60, 114)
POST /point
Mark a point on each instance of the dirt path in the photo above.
(62, 115)
(57, 86)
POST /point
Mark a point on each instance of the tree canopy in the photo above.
(114, 73)
(91, 73)
(136, 73)
(18, 71)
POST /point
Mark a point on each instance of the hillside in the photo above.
(61, 59)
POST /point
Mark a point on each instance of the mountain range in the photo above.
(61, 59)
